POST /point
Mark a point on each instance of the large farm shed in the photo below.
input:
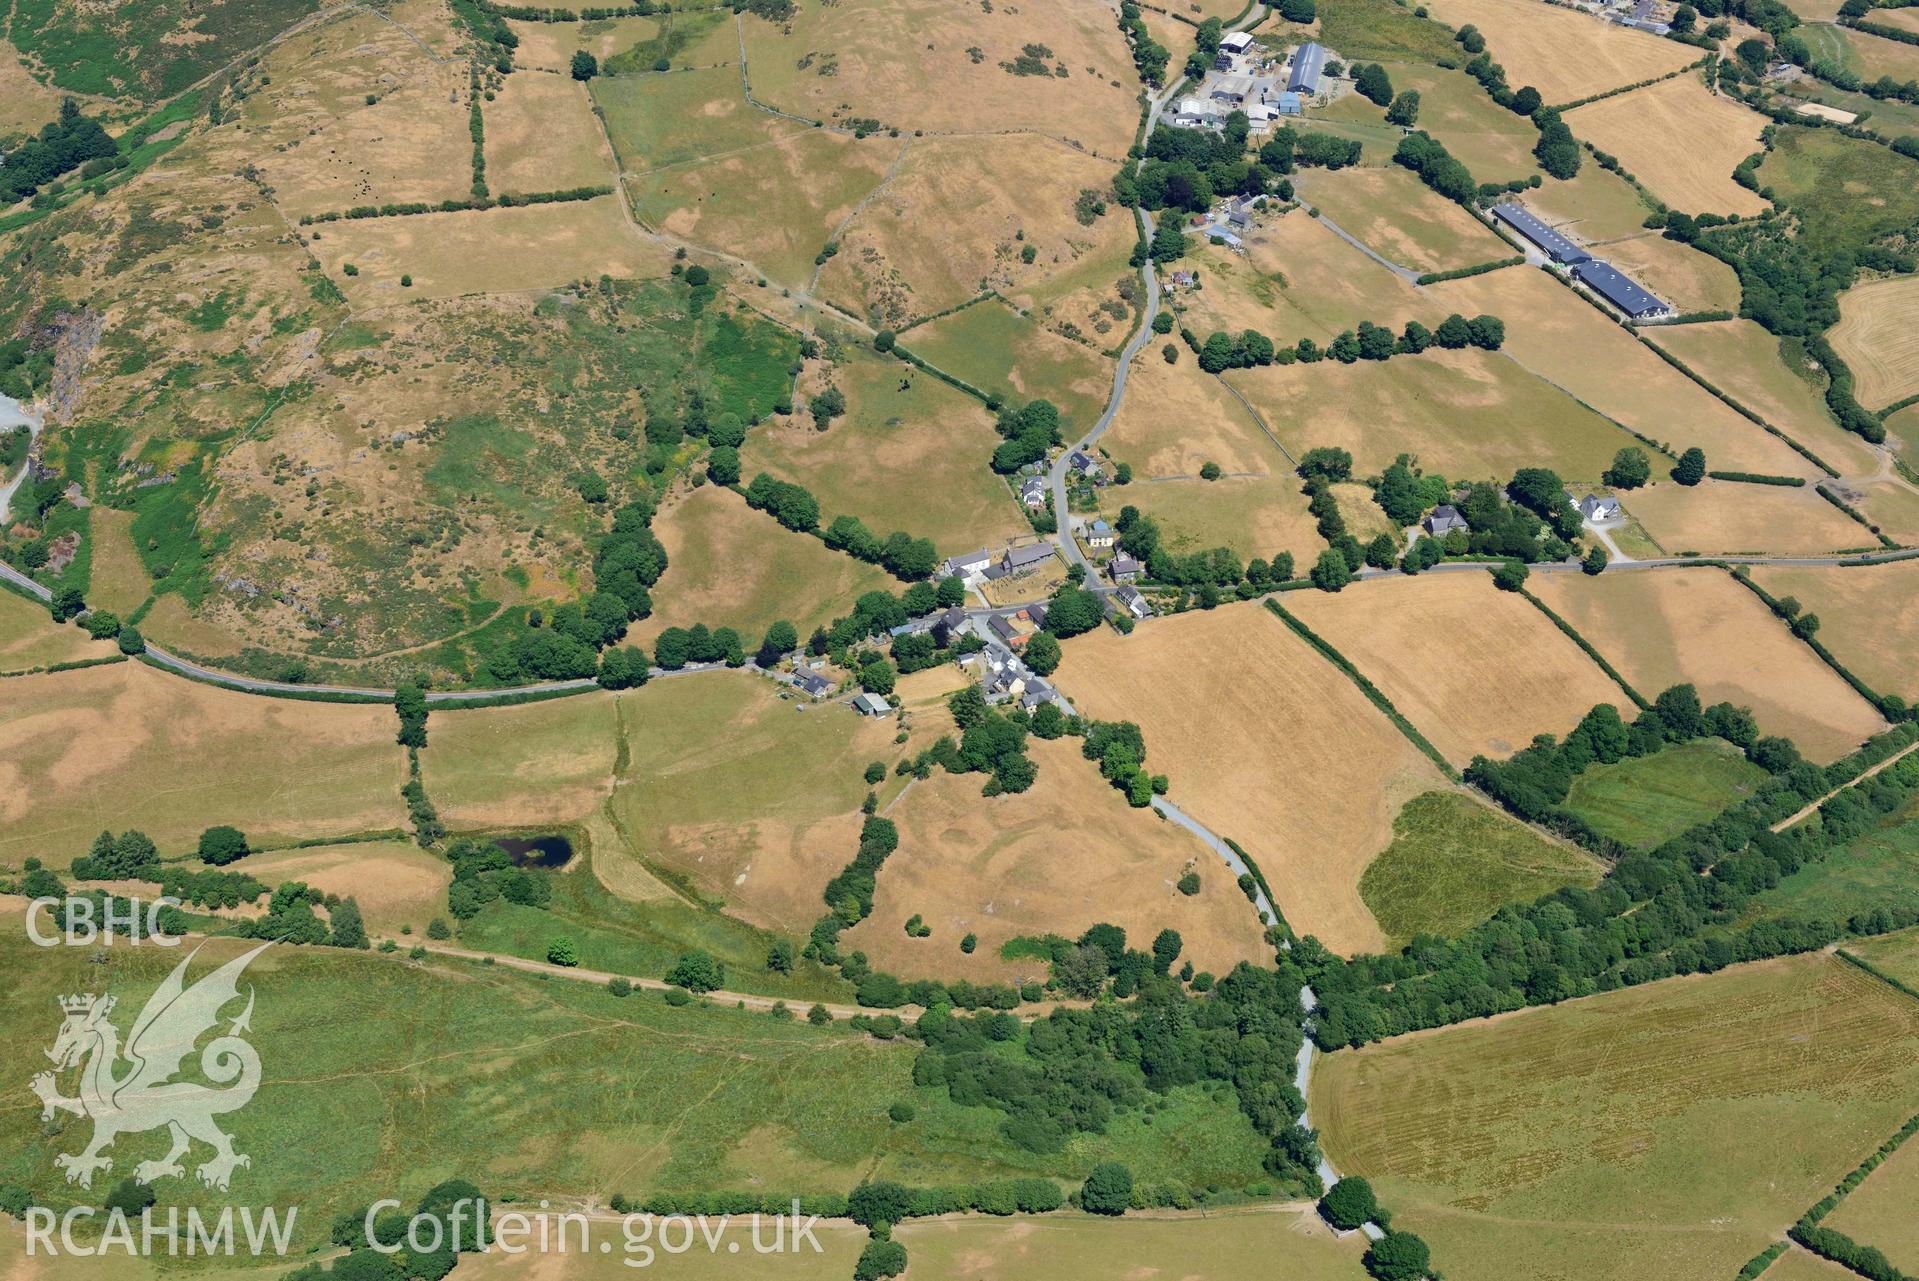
(1557, 247)
(1308, 63)
(1619, 289)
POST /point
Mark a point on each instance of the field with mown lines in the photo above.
(1533, 42)
(1254, 759)
(1679, 139)
(1876, 338)
(1663, 627)
(1478, 671)
(1664, 1130)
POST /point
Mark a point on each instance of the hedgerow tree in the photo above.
(696, 971)
(1108, 1189)
(585, 65)
(1630, 468)
(1373, 84)
(1405, 110)
(1398, 1256)
(1349, 1203)
(222, 845)
(1691, 468)
(1330, 571)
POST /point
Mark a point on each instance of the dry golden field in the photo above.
(1465, 414)
(1256, 730)
(1252, 515)
(1488, 139)
(1058, 858)
(730, 566)
(530, 765)
(1662, 627)
(411, 145)
(1596, 207)
(1536, 43)
(1877, 338)
(911, 64)
(127, 746)
(1177, 418)
(541, 136)
(910, 453)
(749, 794)
(1683, 276)
(774, 205)
(25, 103)
(1559, 336)
(988, 201)
(30, 638)
(1296, 280)
(1749, 364)
(1477, 670)
(118, 581)
(1725, 517)
(1679, 139)
(1801, 1264)
(1402, 220)
(1895, 18)
(395, 882)
(1891, 503)
(484, 251)
(1669, 1130)
(550, 46)
(1868, 617)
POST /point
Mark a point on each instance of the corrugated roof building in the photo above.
(1309, 63)
(1619, 289)
(1555, 246)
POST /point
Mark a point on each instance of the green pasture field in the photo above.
(1491, 141)
(135, 49)
(1000, 351)
(1454, 861)
(911, 453)
(1894, 954)
(1848, 192)
(383, 1077)
(1665, 1130)
(667, 118)
(1649, 799)
(699, 39)
(1379, 30)
(1880, 869)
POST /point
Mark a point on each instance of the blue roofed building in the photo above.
(1619, 289)
(1555, 246)
(1309, 63)
(1290, 104)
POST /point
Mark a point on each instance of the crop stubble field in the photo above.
(1531, 40)
(1877, 339)
(1679, 139)
(1868, 617)
(1254, 759)
(1662, 627)
(1665, 1130)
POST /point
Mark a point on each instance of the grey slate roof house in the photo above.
(1019, 559)
(1124, 569)
(811, 683)
(1443, 519)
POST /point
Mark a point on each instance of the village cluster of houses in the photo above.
(1593, 509)
(1246, 78)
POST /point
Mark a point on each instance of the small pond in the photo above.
(537, 851)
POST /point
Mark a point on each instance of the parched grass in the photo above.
(775, 206)
(1877, 339)
(667, 118)
(523, 766)
(731, 566)
(1464, 414)
(1720, 517)
(119, 580)
(1649, 799)
(910, 453)
(396, 883)
(1000, 351)
(1661, 627)
(485, 251)
(1680, 140)
(30, 638)
(1893, 954)
(1565, 54)
(127, 746)
(1685, 277)
(541, 136)
(1595, 207)
(1667, 1130)
(1868, 617)
(1455, 860)
(1773, 378)
(550, 46)
(1282, 1241)
(1402, 220)
(1878, 1212)
(1559, 336)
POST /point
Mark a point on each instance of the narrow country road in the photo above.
(14, 414)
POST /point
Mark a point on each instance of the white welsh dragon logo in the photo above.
(144, 1096)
